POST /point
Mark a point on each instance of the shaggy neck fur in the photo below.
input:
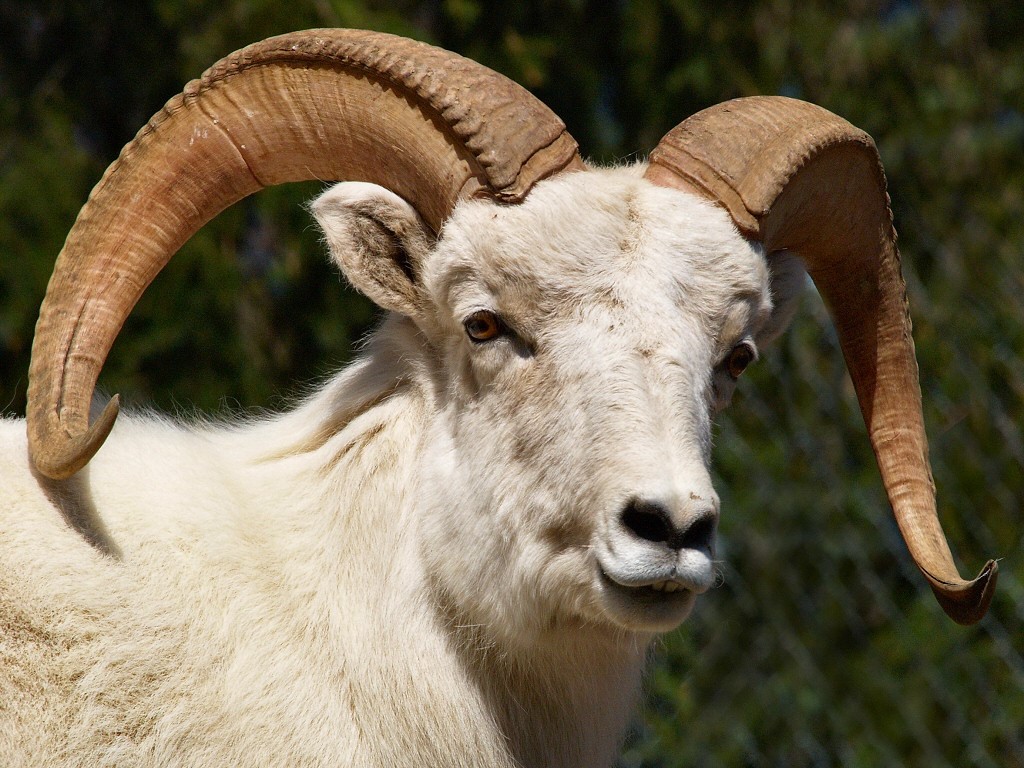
(403, 657)
(314, 635)
(561, 699)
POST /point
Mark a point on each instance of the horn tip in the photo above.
(58, 458)
(967, 603)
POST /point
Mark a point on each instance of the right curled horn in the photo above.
(797, 177)
(326, 104)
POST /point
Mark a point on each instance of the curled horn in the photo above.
(325, 104)
(797, 177)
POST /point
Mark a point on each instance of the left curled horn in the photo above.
(797, 177)
(328, 104)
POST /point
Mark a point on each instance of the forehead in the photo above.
(601, 233)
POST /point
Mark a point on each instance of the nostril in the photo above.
(699, 535)
(651, 521)
(648, 521)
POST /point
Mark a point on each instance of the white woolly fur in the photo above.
(428, 562)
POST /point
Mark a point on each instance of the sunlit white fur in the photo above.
(425, 563)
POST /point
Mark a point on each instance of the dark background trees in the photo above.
(823, 646)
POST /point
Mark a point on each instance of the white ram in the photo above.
(458, 551)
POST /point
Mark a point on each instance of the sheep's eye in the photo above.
(741, 356)
(483, 326)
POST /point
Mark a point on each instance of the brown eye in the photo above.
(741, 356)
(483, 326)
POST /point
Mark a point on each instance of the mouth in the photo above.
(667, 586)
(652, 590)
(657, 606)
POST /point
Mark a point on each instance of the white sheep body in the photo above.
(275, 594)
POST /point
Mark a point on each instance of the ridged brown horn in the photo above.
(325, 104)
(797, 177)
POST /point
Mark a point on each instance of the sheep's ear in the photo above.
(788, 282)
(378, 240)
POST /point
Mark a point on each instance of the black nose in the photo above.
(651, 521)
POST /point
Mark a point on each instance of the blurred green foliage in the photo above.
(823, 646)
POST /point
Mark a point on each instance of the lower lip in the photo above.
(646, 596)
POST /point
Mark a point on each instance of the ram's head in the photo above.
(438, 131)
